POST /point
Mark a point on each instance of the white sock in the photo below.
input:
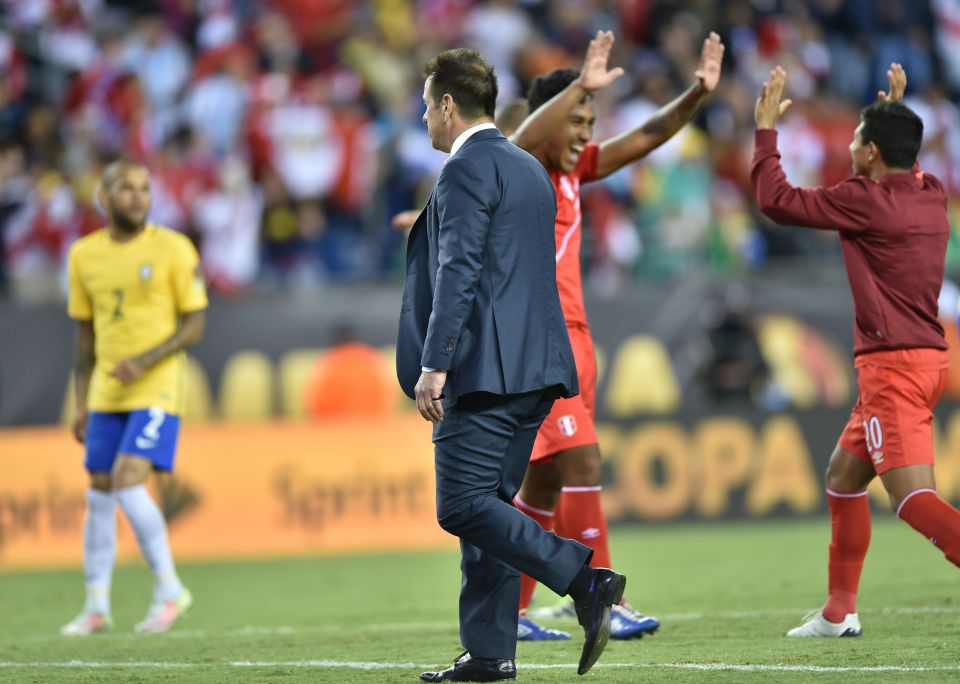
(99, 549)
(151, 530)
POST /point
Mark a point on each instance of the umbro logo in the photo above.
(590, 533)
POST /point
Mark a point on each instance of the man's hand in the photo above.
(128, 370)
(429, 392)
(769, 107)
(405, 219)
(711, 57)
(898, 84)
(79, 425)
(594, 74)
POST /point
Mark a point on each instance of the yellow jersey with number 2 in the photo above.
(134, 292)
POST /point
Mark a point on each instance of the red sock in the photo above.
(546, 520)
(935, 519)
(850, 514)
(581, 517)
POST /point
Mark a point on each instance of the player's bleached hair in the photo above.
(895, 129)
(545, 86)
(467, 77)
(113, 170)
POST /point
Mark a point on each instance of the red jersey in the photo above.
(568, 232)
(893, 233)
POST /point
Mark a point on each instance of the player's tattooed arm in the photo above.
(669, 119)
(84, 359)
(188, 334)
(672, 117)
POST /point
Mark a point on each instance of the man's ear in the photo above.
(873, 152)
(447, 106)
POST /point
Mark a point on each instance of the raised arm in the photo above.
(594, 75)
(628, 147)
(845, 206)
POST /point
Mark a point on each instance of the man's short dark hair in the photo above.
(467, 77)
(544, 87)
(895, 129)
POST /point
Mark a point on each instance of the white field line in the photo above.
(354, 665)
(282, 630)
(251, 630)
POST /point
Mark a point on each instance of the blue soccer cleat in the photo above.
(528, 630)
(626, 623)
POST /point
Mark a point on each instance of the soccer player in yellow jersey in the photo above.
(138, 298)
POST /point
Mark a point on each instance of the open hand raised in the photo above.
(711, 57)
(594, 74)
(769, 108)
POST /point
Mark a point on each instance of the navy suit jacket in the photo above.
(480, 299)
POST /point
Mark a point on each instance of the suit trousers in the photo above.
(483, 447)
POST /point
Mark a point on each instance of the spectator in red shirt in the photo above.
(893, 227)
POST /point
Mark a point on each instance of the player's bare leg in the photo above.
(847, 479)
(99, 552)
(913, 495)
(170, 599)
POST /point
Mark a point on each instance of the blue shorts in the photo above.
(150, 433)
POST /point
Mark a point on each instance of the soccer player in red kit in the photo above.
(565, 466)
(892, 220)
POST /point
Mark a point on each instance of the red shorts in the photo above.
(570, 423)
(890, 425)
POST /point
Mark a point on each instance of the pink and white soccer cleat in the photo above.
(86, 623)
(162, 614)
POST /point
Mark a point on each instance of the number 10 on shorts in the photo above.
(874, 436)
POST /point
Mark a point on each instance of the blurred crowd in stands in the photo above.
(283, 134)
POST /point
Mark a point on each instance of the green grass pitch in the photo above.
(726, 593)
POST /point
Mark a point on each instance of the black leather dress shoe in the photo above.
(466, 668)
(593, 614)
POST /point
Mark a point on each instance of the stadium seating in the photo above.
(247, 387)
(294, 371)
(642, 379)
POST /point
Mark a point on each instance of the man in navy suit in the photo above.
(483, 348)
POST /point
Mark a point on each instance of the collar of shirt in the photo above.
(462, 138)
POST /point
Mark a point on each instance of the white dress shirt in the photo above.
(462, 138)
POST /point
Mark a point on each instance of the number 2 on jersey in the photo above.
(118, 305)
